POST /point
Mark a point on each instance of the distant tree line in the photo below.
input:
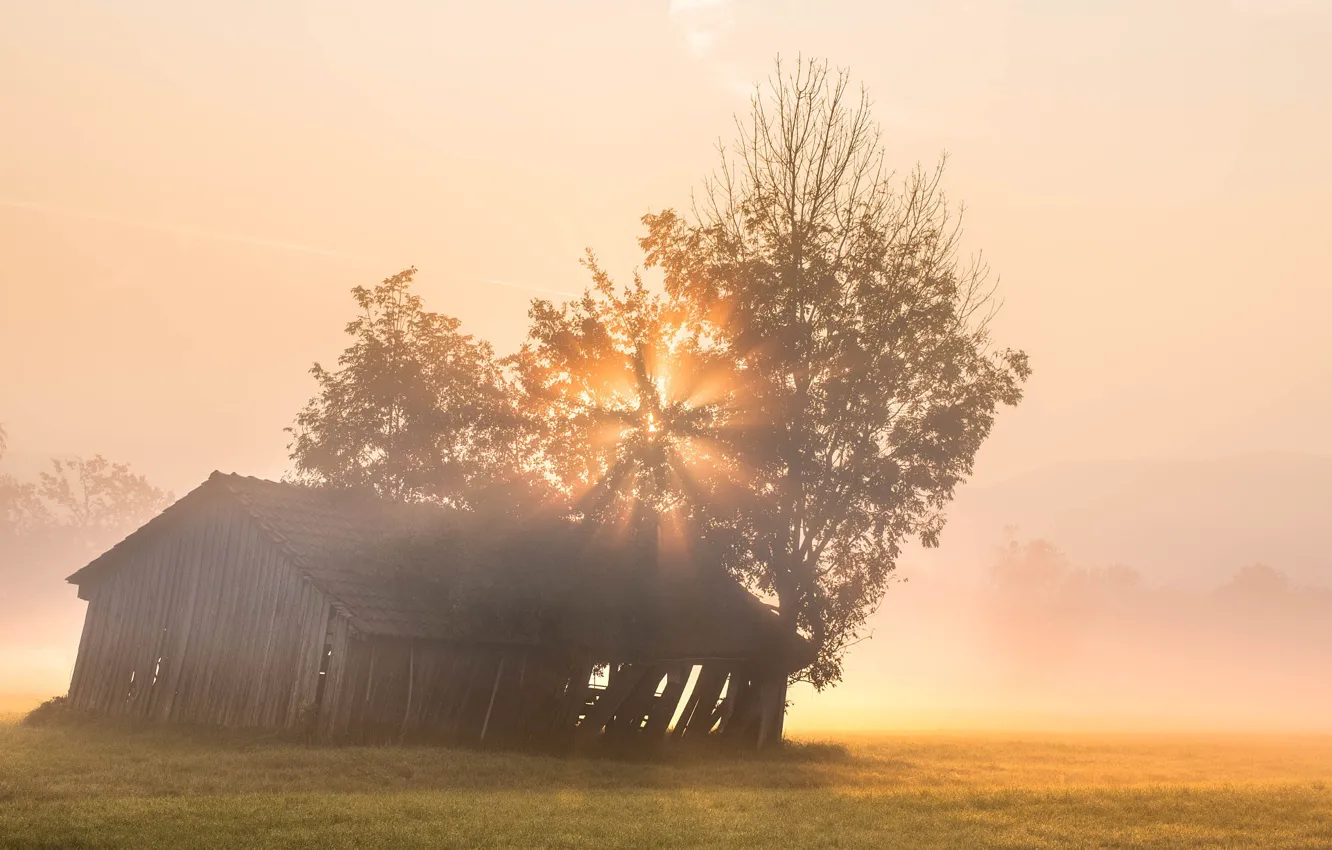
(1046, 614)
(65, 517)
(86, 504)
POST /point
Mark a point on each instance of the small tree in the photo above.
(56, 524)
(865, 376)
(95, 502)
(22, 512)
(81, 506)
(416, 410)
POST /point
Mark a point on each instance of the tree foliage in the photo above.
(97, 502)
(865, 375)
(81, 506)
(804, 398)
(620, 401)
(415, 410)
(51, 526)
(21, 510)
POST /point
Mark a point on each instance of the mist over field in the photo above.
(666, 424)
(1046, 645)
(178, 233)
(1172, 596)
(1117, 597)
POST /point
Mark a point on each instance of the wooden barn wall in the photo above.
(381, 690)
(206, 624)
(384, 690)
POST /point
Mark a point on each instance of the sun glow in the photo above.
(666, 453)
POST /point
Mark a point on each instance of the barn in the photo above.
(252, 603)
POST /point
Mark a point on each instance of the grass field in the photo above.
(149, 788)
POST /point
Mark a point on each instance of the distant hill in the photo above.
(1191, 523)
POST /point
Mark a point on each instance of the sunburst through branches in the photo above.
(631, 413)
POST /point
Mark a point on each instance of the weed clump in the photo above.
(56, 711)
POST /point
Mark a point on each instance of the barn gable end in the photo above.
(198, 617)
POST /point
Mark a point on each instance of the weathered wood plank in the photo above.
(262, 625)
(315, 633)
(80, 660)
(620, 687)
(212, 534)
(248, 644)
(711, 679)
(147, 631)
(180, 582)
(219, 640)
(335, 680)
(189, 556)
(494, 690)
(99, 667)
(659, 717)
(128, 635)
(631, 716)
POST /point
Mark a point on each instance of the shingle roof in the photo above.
(368, 555)
(339, 540)
(342, 542)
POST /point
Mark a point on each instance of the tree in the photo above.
(21, 510)
(53, 526)
(1257, 582)
(88, 504)
(94, 502)
(866, 379)
(416, 410)
(621, 406)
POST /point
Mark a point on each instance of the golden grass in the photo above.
(105, 786)
(14, 705)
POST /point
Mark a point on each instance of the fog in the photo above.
(40, 621)
(1018, 636)
(1047, 644)
(193, 194)
(1169, 595)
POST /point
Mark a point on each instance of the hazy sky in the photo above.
(186, 196)
(187, 192)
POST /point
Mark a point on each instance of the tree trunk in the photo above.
(771, 706)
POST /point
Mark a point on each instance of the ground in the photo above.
(100, 786)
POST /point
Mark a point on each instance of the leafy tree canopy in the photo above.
(866, 379)
(415, 410)
(98, 502)
(82, 506)
(803, 398)
(615, 393)
(21, 511)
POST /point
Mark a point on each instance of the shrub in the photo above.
(55, 711)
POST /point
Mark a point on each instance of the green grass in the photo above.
(106, 786)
